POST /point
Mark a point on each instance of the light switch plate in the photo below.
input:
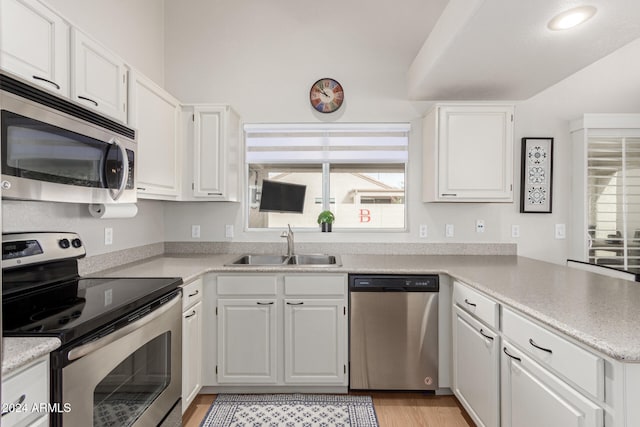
(561, 231)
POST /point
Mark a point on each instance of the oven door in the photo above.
(132, 377)
(52, 156)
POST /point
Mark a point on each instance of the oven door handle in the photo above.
(83, 350)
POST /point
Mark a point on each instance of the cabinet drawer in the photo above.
(315, 285)
(20, 392)
(475, 303)
(579, 366)
(191, 293)
(247, 285)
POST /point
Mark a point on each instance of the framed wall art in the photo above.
(537, 175)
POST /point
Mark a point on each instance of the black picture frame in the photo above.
(536, 178)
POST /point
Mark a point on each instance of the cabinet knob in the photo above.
(5, 185)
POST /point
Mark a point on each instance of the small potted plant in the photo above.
(325, 219)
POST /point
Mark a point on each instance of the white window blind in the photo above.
(334, 143)
(613, 174)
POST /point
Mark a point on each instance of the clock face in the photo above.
(326, 95)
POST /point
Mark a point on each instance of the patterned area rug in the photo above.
(291, 410)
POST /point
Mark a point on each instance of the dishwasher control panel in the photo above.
(394, 283)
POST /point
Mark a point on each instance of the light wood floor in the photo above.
(393, 410)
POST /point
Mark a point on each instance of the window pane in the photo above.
(308, 175)
(132, 386)
(368, 196)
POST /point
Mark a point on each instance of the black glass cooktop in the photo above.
(74, 308)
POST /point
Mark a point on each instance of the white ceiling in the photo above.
(503, 50)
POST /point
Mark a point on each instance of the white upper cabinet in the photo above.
(212, 166)
(468, 153)
(34, 44)
(155, 114)
(99, 78)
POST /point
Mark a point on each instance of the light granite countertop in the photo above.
(598, 311)
(17, 352)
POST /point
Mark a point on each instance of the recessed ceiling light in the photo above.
(571, 18)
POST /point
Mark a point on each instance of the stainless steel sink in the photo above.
(261, 260)
(318, 260)
(315, 259)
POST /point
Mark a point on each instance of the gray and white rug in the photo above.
(291, 410)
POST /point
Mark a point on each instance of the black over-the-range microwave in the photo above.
(56, 150)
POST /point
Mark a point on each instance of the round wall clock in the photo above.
(326, 95)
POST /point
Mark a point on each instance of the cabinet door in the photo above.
(99, 78)
(533, 397)
(191, 354)
(247, 341)
(314, 341)
(34, 44)
(156, 116)
(475, 153)
(216, 160)
(476, 369)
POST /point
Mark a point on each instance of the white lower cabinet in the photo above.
(314, 341)
(282, 330)
(476, 367)
(191, 342)
(24, 390)
(533, 397)
(247, 341)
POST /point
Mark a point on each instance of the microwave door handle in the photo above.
(125, 170)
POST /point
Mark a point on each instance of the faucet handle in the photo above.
(284, 234)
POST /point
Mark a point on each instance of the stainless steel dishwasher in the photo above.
(393, 332)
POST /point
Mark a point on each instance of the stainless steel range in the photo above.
(120, 362)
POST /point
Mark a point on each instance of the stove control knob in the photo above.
(64, 243)
(76, 243)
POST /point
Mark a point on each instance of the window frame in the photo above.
(246, 194)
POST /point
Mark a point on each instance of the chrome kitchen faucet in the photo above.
(290, 243)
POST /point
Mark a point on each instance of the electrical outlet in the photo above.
(228, 231)
(423, 231)
(479, 225)
(108, 236)
(515, 231)
(448, 230)
(195, 231)
(561, 231)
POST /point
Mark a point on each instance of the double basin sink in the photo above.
(318, 260)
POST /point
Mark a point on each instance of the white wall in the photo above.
(147, 227)
(132, 29)
(265, 73)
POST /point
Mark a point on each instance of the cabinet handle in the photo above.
(194, 294)
(538, 347)
(466, 301)
(294, 303)
(57, 86)
(485, 335)
(265, 303)
(193, 313)
(513, 357)
(12, 406)
(142, 189)
(449, 194)
(88, 99)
